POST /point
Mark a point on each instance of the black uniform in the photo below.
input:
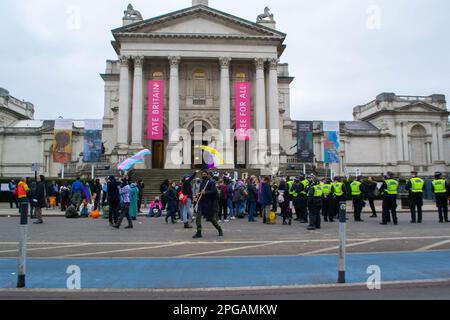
(415, 201)
(389, 205)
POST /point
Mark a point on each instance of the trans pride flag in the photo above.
(129, 163)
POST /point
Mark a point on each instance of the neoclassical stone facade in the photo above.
(200, 53)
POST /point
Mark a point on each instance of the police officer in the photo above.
(415, 187)
(339, 194)
(304, 188)
(327, 201)
(294, 187)
(389, 190)
(441, 189)
(314, 204)
(358, 192)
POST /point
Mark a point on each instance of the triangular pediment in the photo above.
(199, 20)
(420, 106)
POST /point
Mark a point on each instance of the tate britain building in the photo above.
(199, 76)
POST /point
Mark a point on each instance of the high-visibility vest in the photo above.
(292, 192)
(326, 189)
(439, 186)
(355, 185)
(338, 189)
(392, 186)
(22, 189)
(417, 185)
(318, 191)
(305, 186)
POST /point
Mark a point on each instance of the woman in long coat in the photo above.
(134, 199)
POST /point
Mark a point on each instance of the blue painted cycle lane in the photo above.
(225, 272)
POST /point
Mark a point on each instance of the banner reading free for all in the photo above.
(243, 111)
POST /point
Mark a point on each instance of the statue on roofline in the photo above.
(132, 14)
(266, 15)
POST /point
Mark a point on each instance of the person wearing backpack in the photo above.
(283, 202)
(13, 196)
(265, 198)
(240, 195)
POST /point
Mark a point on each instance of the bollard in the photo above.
(342, 240)
(23, 243)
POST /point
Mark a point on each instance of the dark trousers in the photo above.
(315, 206)
(13, 200)
(223, 209)
(96, 202)
(213, 220)
(442, 205)
(113, 212)
(337, 205)
(164, 202)
(390, 208)
(327, 209)
(285, 213)
(416, 202)
(125, 213)
(171, 214)
(358, 205)
(372, 206)
(303, 207)
(104, 195)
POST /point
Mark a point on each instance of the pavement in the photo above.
(271, 259)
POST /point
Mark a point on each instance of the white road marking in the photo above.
(122, 250)
(228, 250)
(233, 241)
(51, 248)
(432, 246)
(337, 247)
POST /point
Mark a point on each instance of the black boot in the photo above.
(197, 235)
(187, 226)
(220, 233)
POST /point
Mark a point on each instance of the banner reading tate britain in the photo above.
(243, 111)
(155, 119)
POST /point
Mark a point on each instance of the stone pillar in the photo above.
(260, 140)
(124, 103)
(138, 104)
(405, 142)
(174, 100)
(274, 113)
(400, 149)
(440, 138)
(435, 142)
(225, 113)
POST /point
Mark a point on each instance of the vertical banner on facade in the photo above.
(331, 142)
(305, 147)
(62, 141)
(93, 141)
(243, 111)
(155, 119)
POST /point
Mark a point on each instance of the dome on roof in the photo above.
(4, 92)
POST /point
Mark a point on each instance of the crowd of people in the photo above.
(220, 199)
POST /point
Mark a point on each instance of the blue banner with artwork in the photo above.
(331, 142)
(93, 141)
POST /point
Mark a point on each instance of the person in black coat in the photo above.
(163, 189)
(41, 197)
(208, 204)
(97, 190)
(113, 200)
(171, 198)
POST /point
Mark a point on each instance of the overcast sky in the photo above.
(342, 53)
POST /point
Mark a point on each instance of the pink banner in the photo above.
(155, 120)
(243, 111)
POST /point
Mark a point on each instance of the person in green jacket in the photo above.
(134, 198)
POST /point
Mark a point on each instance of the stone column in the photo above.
(260, 140)
(174, 100)
(138, 103)
(400, 150)
(405, 142)
(274, 113)
(440, 138)
(435, 142)
(225, 112)
(124, 103)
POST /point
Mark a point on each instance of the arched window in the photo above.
(199, 84)
(241, 77)
(158, 75)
